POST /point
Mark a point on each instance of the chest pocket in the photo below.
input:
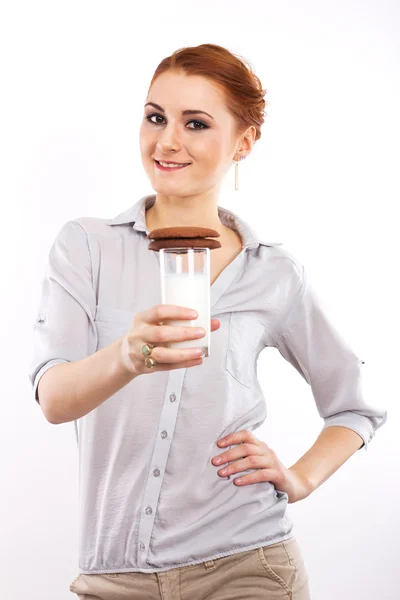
(111, 323)
(244, 345)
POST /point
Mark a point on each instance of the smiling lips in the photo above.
(175, 166)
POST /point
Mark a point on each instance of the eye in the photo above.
(149, 117)
(202, 125)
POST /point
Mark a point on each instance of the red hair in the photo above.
(233, 74)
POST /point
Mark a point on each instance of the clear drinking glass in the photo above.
(185, 281)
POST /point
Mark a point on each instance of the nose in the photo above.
(168, 139)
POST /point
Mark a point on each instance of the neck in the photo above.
(189, 211)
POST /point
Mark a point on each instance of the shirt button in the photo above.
(149, 510)
(156, 472)
(172, 397)
(164, 434)
(142, 546)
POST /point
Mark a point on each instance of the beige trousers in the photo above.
(267, 573)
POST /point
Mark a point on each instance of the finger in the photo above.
(250, 462)
(261, 475)
(215, 324)
(239, 451)
(161, 312)
(160, 334)
(175, 355)
(180, 365)
(237, 437)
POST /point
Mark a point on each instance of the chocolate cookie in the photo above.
(184, 243)
(182, 232)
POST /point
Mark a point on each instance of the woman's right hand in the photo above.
(146, 329)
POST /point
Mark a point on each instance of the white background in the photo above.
(323, 179)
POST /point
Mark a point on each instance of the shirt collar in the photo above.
(135, 215)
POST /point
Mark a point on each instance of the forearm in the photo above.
(70, 390)
(332, 449)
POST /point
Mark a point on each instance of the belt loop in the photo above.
(209, 565)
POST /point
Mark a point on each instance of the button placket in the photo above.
(158, 462)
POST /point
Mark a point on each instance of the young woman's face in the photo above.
(207, 141)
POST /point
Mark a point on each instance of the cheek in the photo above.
(147, 139)
(209, 151)
(142, 142)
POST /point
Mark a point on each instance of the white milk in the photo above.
(191, 291)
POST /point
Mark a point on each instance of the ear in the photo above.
(248, 140)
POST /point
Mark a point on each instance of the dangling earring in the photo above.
(237, 172)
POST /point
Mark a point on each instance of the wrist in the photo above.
(123, 363)
(304, 484)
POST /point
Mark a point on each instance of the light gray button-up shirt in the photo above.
(150, 499)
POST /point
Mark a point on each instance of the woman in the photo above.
(159, 518)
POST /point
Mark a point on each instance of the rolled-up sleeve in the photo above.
(64, 329)
(309, 340)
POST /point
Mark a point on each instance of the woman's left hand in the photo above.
(254, 454)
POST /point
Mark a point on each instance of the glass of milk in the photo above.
(185, 281)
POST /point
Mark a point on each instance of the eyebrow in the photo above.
(184, 112)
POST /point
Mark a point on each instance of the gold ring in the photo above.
(150, 362)
(146, 349)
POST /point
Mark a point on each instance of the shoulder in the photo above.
(92, 226)
(281, 262)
